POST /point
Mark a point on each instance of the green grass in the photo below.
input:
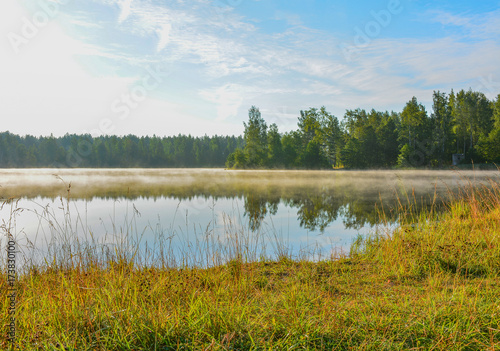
(432, 283)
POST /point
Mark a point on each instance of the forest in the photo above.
(85, 151)
(463, 123)
(466, 123)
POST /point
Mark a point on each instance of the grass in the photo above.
(432, 283)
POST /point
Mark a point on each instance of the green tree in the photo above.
(331, 136)
(309, 125)
(387, 137)
(312, 151)
(416, 131)
(491, 145)
(313, 156)
(255, 138)
(290, 143)
(473, 117)
(52, 154)
(404, 156)
(442, 127)
(414, 123)
(351, 154)
(360, 140)
(275, 150)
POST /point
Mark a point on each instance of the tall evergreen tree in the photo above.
(442, 126)
(275, 150)
(255, 138)
(415, 131)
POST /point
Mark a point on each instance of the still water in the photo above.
(190, 214)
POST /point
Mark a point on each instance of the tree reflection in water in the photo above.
(319, 197)
(317, 212)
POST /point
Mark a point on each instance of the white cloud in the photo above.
(226, 66)
(164, 36)
(290, 18)
(125, 10)
(161, 117)
(45, 90)
(228, 99)
(484, 26)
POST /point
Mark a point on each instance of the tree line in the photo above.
(465, 122)
(460, 123)
(84, 151)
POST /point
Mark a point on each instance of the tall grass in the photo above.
(431, 283)
(464, 240)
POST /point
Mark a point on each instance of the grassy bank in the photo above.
(433, 283)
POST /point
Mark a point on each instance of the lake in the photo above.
(207, 216)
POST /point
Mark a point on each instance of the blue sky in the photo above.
(196, 66)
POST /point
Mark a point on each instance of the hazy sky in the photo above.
(195, 67)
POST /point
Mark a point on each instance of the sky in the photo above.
(150, 67)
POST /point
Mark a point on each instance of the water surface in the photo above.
(191, 211)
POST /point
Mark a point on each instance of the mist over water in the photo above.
(306, 211)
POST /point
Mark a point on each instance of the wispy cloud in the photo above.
(225, 62)
(483, 26)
